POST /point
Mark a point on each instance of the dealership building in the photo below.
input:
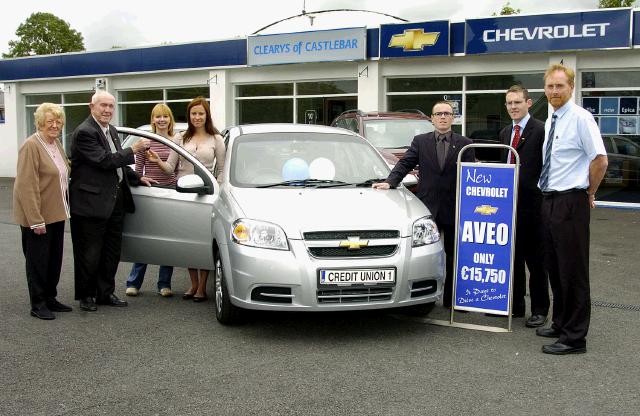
(314, 76)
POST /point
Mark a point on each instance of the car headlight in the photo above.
(259, 234)
(425, 231)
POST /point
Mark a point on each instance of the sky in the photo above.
(135, 23)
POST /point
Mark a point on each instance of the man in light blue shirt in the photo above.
(574, 163)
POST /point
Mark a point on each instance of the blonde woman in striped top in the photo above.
(162, 123)
(41, 206)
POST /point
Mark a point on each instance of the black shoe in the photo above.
(56, 306)
(113, 300)
(88, 304)
(560, 349)
(548, 332)
(42, 313)
(535, 321)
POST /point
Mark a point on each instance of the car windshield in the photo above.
(303, 159)
(394, 133)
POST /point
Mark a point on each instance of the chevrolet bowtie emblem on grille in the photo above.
(354, 243)
(414, 40)
(485, 210)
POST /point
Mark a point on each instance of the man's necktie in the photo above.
(112, 147)
(544, 175)
(441, 150)
(516, 140)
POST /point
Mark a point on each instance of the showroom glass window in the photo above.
(74, 104)
(478, 101)
(613, 97)
(316, 102)
(135, 105)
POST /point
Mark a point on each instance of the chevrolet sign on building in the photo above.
(414, 39)
(603, 29)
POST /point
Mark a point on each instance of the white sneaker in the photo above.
(166, 292)
(131, 291)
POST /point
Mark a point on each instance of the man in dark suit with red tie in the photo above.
(436, 155)
(526, 135)
(99, 196)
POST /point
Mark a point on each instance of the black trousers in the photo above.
(448, 235)
(96, 252)
(566, 243)
(43, 261)
(529, 250)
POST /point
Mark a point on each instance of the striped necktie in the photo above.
(516, 140)
(544, 175)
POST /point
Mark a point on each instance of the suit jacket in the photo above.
(94, 178)
(530, 151)
(437, 187)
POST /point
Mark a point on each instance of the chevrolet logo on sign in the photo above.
(414, 40)
(485, 210)
(354, 243)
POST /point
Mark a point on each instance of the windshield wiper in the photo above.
(370, 182)
(305, 183)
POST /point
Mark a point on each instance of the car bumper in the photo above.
(265, 279)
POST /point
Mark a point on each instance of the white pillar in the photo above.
(221, 99)
(12, 132)
(370, 87)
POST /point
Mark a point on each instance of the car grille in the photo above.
(342, 235)
(355, 295)
(345, 252)
(326, 244)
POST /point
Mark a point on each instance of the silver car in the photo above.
(295, 225)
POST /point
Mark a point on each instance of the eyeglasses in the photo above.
(50, 123)
(443, 114)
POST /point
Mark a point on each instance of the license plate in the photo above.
(357, 276)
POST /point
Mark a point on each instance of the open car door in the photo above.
(171, 227)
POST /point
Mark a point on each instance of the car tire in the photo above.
(419, 310)
(226, 312)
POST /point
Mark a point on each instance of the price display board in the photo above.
(486, 222)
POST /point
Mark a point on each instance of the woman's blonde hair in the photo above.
(45, 108)
(162, 110)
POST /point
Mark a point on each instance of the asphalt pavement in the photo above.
(170, 357)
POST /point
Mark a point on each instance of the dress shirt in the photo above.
(576, 142)
(522, 123)
(112, 147)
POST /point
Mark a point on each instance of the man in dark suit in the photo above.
(99, 196)
(526, 135)
(436, 155)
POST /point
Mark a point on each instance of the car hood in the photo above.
(298, 210)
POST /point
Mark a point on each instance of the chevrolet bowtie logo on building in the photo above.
(485, 210)
(354, 243)
(414, 40)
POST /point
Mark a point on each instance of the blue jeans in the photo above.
(136, 277)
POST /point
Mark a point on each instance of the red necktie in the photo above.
(516, 140)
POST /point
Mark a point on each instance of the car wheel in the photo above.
(226, 312)
(419, 310)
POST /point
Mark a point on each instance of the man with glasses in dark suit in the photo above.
(436, 155)
(526, 135)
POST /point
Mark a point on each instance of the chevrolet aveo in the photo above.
(294, 225)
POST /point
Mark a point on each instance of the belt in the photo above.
(553, 194)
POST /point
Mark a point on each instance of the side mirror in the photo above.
(410, 180)
(191, 184)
